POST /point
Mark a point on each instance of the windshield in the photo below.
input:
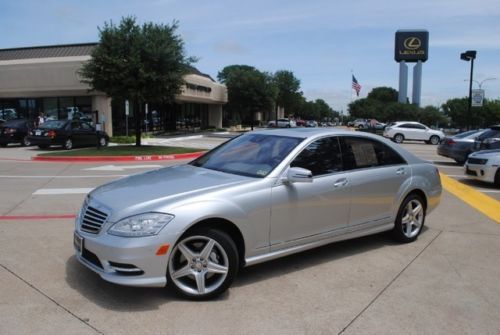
(253, 155)
(53, 124)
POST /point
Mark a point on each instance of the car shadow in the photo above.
(447, 163)
(123, 298)
(478, 183)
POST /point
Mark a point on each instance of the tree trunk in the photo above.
(138, 122)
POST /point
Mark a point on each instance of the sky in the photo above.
(323, 42)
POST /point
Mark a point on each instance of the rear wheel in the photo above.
(399, 138)
(203, 264)
(26, 142)
(410, 219)
(434, 140)
(68, 145)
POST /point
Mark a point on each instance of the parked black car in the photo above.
(15, 131)
(459, 146)
(488, 140)
(68, 134)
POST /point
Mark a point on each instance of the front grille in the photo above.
(470, 172)
(93, 220)
(479, 161)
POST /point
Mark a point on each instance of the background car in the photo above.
(360, 123)
(459, 147)
(67, 133)
(259, 196)
(413, 131)
(490, 139)
(311, 124)
(282, 123)
(484, 165)
(15, 131)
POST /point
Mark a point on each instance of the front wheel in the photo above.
(434, 140)
(399, 138)
(497, 178)
(410, 219)
(203, 264)
(103, 142)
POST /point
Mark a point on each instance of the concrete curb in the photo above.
(143, 158)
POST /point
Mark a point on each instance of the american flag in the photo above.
(356, 85)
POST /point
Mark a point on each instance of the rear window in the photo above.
(53, 124)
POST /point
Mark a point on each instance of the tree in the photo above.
(288, 95)
(249, 91)
(383, 94)
(140, 63)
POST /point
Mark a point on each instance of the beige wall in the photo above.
(42, 77)
(51, 77)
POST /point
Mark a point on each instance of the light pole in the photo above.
(469, 55)
(480, 84)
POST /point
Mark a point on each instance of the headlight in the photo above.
(146, 224)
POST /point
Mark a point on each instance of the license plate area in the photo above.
(78, 243)
(38, 132)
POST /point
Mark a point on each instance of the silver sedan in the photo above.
(260, 196)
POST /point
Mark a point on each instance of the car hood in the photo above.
(161, 187)
(488, 153)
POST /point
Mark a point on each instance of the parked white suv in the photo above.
(283, 123)
(413, 131)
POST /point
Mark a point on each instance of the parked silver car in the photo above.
(260, 196)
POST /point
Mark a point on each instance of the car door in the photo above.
(377, 174)
(408, 131)
(75, 133)
(89, 135)
(305, 211)
(421, 132)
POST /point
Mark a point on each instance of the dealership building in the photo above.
(44, 81)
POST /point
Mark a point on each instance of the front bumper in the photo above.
(126, 261)
(484, 173)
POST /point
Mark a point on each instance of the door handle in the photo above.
(401, 171)
(340, 182)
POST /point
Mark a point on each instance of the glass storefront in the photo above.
(58, 108)
(178, 117)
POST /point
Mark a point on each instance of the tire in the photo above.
(203, 264)
(408, 233)
(103, 142)
(360, 126)
(497, 178)
(399, 138)
(68, 144)
(43, 146)
(25, 142)
(434, 140)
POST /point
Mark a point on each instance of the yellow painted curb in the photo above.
(483, 203)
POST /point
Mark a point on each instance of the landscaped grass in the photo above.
(123, 150)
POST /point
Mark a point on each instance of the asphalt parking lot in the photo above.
(444, 283)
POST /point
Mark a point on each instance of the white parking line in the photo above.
(57, 191)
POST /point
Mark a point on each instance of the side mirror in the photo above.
(299, 175)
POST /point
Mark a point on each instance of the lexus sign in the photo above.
(411, 45)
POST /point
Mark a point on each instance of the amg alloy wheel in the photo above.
(203, 264)
(410, 219)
